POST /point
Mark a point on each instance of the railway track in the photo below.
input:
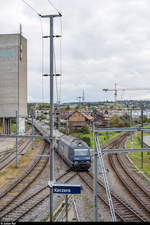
(127, 177)
(7, 157)
(21, 208)
(63, 216)
(13, 191)
(123, 210)
(12, 208)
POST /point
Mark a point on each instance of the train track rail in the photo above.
(7, 157)
(23, 207)
(63, 216)
(13, 208)
(136, 189)
(12, 192)
(127, 177)
(123, 210)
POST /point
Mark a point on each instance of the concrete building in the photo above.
(13, 79)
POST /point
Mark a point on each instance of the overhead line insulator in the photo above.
(57, 36)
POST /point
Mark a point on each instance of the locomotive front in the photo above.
(81, 158)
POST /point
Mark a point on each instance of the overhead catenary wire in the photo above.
(54, 7)
(39, 16)
(42, 44)
(42, 60)
(56, 76)
(31, 7)
(61, 72)
(58, 91)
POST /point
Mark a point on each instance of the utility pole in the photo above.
(32, 129)
(19, 60)
(95, 177)
(17, 133)
(51, 18)
(131, 142)
(142, 137)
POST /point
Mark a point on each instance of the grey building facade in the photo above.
(13, 77)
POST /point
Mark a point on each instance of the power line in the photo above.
(57, 91)
(42, 59)
(61, 72)
(56, 76)
(42, 44)
(59, 97)
(54, 7)
(31, 8)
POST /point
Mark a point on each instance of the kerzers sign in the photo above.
(66, 188)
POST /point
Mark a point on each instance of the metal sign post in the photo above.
(142, 138)
(51, 114)
(66, 208)
(66, 189)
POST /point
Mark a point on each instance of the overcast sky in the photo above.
(103, 42)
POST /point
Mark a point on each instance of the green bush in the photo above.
(87, 140)
(84, 129)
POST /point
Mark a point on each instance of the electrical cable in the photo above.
(31, 8)
(60, 62)
(54, 7)
(42, 44)
(55, 73)
(58, 91)
(42, 60)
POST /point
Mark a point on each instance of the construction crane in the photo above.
(115, 89)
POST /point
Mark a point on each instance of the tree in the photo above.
(84, 129)
(116, 121)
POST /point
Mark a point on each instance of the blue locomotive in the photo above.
(75, 152)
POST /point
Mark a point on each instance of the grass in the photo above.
(103, 137)
(46, 218)
(136, 156)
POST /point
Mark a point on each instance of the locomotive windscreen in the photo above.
(81, 152)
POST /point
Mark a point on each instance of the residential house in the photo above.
(77, 119)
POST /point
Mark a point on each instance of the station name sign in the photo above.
(66, 188)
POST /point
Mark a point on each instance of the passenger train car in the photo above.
(74, 152)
